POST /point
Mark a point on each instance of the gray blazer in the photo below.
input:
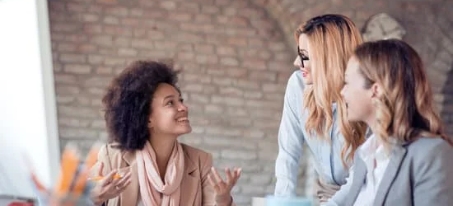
(419, 173)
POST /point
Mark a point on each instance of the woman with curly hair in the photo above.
(314, 112)
(407, 160)
(145, 115)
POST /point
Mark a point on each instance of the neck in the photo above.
(372, 124)
(163, 147)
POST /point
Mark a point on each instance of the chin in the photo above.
(306, 82)
(186, 130)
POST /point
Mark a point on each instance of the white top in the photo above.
(376, 160)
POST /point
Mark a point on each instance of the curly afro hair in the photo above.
(127, 102)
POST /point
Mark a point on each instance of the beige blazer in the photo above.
(195, 187)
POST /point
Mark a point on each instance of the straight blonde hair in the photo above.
(332, 39)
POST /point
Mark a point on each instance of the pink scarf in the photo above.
(149, 178)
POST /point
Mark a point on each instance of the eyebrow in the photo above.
(303, 51)
(169, 97)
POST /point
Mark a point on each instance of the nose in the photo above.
(297, 61)
(182, 107)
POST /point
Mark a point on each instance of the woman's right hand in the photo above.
(109, 186)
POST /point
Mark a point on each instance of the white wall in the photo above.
(27, 99)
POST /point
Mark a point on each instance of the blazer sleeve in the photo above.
(103, 157)
(433, 184)
(208, 194)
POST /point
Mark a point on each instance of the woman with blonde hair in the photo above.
(314, 112)
(407, 160)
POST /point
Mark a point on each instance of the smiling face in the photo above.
(302, 60)
(357, 97)
(169, 114)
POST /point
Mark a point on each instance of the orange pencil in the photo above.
(99, 178)
(69, 164)
(82, 179)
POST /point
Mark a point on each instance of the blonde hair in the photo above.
(332, 39)
(405, 109)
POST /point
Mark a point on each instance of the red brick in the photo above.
(226, 50)
(65, 79)
(72, 58)
(76, 7)
(117, 11)
(181, 17)
(168, 5)
(62, 27)
(236, 72)
(103, 40)
(139, 33)
(229, 61)
(203, 18)
(111, 20)
(65, 90)
(95, 8)
(77, 68)
(136, 12)
(108, 2)
(254, 64)
(262, 76)
(114, 61)
(208, 9)
(87, 48)
(206, 59)
(267, 87)
(67, 47)
(231, 91)
(89, 17)
(142, 43)
(92, 29)
(127, 52)
(121, 41)
(155, 35)
(130, 22)
(192, 7)
(237, 41)
(103, 70)
(117, 30)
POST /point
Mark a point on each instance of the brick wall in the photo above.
(236, 57)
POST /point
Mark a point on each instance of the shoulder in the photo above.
(109, 151)
(196, 155)
(430, 151)
(429, 146)
(295, 80)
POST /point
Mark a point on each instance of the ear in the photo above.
(150, 124)
(376, 90)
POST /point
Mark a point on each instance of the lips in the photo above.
(182, 120)
(304, 73)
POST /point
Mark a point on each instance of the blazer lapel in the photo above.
(357, 180)
(131, 194)
(190, 182)
(396, 158)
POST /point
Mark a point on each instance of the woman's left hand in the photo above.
(223, 188)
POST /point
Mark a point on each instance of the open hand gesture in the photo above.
(223, 188)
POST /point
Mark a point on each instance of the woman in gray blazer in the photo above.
(408, 160)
